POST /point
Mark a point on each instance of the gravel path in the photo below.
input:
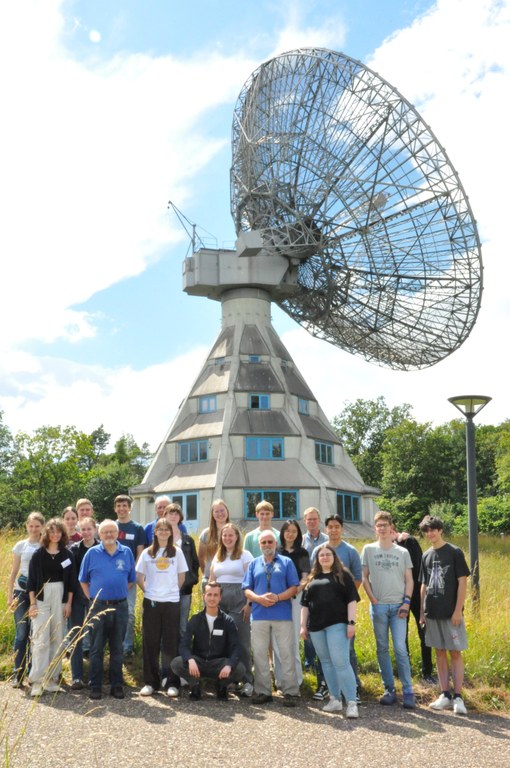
(69, 730)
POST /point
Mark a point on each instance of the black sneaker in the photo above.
(221, 692)
(290, 701)
(262, 698)
(95, 693)
(321, 692)
(196, 692)
(117, 692)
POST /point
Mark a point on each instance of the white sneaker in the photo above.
(147, 690)
(172, 692)
(53, 688)
(247, 690)
(459, 707)
(443, 702)
(36, 690)
(352, 709)
(333, 705)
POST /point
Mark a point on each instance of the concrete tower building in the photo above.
(250, 428)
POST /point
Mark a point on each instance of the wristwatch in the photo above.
(351, 622)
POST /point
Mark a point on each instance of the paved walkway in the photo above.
(67, 731)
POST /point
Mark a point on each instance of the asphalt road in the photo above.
(69, 730)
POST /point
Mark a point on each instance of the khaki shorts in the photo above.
(442, 634)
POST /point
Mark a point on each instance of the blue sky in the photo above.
(114, 108)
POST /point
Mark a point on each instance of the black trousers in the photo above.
(209, 668)
(426, 652)
(160, 636)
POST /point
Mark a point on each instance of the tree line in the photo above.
(53, 467)
(417, 467)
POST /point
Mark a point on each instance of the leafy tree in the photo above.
(48, 473)
(502, 457)
(362, 428)
(104, 483)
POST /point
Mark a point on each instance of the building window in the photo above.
(189, 505)
(303, 406)
(285, 503)
(259, 402)
(323, 453)
(207, 404)
(348, 506)
(193, 451)
(254, 358)
(219, 361)
(258, 448)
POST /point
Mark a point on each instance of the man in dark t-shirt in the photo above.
(443, 579)
(407, 541)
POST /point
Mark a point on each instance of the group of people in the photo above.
(73, 582)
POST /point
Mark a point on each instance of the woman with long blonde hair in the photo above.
(228, 568)
(209, 539)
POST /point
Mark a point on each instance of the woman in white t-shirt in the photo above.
(17, 595)
(160, 573)
(228, 568)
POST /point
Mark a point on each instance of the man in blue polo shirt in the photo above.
(270, 583)
(107, 574)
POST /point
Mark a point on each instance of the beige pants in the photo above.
(47, 636)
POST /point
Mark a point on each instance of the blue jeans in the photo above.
(385, 620)
(21, 638)
(109, 624)
(333, 647)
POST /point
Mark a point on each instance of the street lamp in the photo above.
(469, 406)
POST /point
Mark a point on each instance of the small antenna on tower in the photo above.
(191, 230)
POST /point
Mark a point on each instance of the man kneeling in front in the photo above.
(210, 648)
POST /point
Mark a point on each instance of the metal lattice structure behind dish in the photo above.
(340, 174)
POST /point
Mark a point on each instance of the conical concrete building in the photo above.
(251, 428)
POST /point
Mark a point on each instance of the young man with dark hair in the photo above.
(210, 648)
(132, 536)
(443, 580)
(404, 539)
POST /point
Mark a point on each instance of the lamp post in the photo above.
(469, 406)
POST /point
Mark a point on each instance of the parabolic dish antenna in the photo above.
(338, 173)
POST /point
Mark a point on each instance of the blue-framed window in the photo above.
(323, 452)
(348, 506)
(259, 401)
(193, 451)
(254, 358)
(258, 448)
(189, 505)
(207, 404)
(285, 502)
(303, 406)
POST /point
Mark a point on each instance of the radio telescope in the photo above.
(351, 218)
(334, 170)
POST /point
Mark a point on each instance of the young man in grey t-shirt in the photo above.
(388, 582)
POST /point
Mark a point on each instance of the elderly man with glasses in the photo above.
(270, 583)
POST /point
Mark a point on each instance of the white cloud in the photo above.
(142, 403)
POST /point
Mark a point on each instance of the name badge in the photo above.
(130, 536)
(217, 632)
(66, 563)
